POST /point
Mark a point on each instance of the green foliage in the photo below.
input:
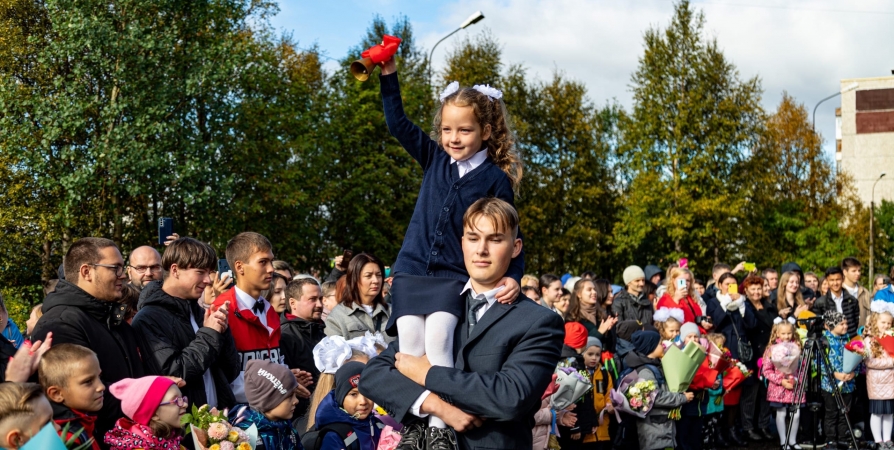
(20, 300)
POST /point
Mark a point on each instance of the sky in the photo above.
(801, 47)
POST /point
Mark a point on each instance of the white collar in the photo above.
(490, 296)
(245, 301)
(474, 160)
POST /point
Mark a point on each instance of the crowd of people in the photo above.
(123, 354)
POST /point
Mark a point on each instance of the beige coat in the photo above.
(864, 298)
(355, 322)
(880, 376)
(543, 420)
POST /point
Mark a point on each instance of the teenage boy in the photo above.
(505, 353)
(183, 339)
(254, 324)
(839, 299)
(835, 423)
(852, 270)
(69, 375)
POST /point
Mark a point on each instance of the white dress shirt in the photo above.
(838, 301)
(491, 297)
(469, 164)
(246, 302)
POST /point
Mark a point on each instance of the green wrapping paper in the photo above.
(680, 366)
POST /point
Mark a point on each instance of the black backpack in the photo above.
(313, 440)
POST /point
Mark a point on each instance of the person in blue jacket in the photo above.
(346, 405)
(11, 332)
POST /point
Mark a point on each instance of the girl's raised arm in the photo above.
(415, 141)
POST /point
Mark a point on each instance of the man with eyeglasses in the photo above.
(144, 266)
(84, 310)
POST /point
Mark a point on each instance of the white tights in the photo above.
(781, 426)
(430, 335)
(881, 425)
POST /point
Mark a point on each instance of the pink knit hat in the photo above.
(140, 396)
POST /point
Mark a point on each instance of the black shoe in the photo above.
(440, 439)
(412, 437)
(754, 436)
(720, 440)
(736, 440)
(767, 434)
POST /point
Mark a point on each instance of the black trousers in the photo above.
(755, 409)
(835, 424)
(689, 433)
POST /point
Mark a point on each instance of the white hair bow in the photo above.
(491, 92)
(879, 306)
(663, 314)
(331, 353)
(365, 344)
(449, 90)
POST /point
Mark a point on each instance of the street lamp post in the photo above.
(872, 231)
(849, 88)
(473, 19)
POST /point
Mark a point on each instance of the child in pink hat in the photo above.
(154, 406)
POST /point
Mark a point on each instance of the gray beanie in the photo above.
(594, 342)
(633, 273)
(267, 384)
(689, 328)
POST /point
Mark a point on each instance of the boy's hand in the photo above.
(413, 367)
(302, 377)
(510, 290)
(844, 376)
(389, 67)
(575, 437)
(689, 396)
(609, 408)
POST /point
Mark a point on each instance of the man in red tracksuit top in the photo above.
(254, 324)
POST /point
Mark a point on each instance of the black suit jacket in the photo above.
(501, 372)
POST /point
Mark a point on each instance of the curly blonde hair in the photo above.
(774, 334)
(501, 143)
(871, 330)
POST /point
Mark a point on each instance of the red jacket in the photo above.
(688, 305)
(253, 340)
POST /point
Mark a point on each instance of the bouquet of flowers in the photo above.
(785, 356)
(680, 367)
(572, 386)
(854, 351)
(886, 340)
(732, 379)
(718, 358)
(634, 395)
(211, 431)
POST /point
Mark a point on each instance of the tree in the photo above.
(692, 124)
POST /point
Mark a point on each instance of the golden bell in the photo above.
(362, 69)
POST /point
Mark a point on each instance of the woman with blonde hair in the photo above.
(789, 300)
(681, 294)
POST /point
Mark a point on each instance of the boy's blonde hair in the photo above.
(17, 404)
(58, 363)
(502, 215)
(488, 111)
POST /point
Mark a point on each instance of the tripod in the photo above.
(814, 358)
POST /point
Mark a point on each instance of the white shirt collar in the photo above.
(246, 302)
(471, 163)
(490, 296)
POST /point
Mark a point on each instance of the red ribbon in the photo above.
(384, 51)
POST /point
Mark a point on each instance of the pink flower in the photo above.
(227, 445)
(218, 431)
(635, 402)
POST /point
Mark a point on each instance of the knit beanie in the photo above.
(632, 273)
(645, 342)
(140, 396)
(689, 328)
(626, 328)
(267, 384)
(346, 378)
(594, 342)
(833, 318)
(575, 335)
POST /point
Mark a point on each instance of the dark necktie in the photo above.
(475, 304)
(258, 308)
(454, 170)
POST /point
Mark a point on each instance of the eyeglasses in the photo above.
(142, 269)
(181, 402)
(119, 269)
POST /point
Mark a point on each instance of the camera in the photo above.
(814, 326)
(700, 319)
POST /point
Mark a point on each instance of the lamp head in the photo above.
(882, 175)
(850, 87)
(473, 19)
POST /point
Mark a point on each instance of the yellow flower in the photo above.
(214, 447)
(244, 446)
(233, 436)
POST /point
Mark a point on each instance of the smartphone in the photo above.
(165, 229)
(346, 257)
(733, 289)
(681, 283)
(750, 267)
(223, 267)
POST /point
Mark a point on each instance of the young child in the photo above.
(711, 431)
(835, 423)
(595, 435)
(574, 344)
(329, 355)
(879, 378)
(655, 431)
(472, 156)
(668, 322)
(24, 410)
(270, 389)
(69, 375)
(153, 406)
(784, 347)
(346, 405)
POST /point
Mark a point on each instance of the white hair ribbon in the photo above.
(449, 90)
(491, 92)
